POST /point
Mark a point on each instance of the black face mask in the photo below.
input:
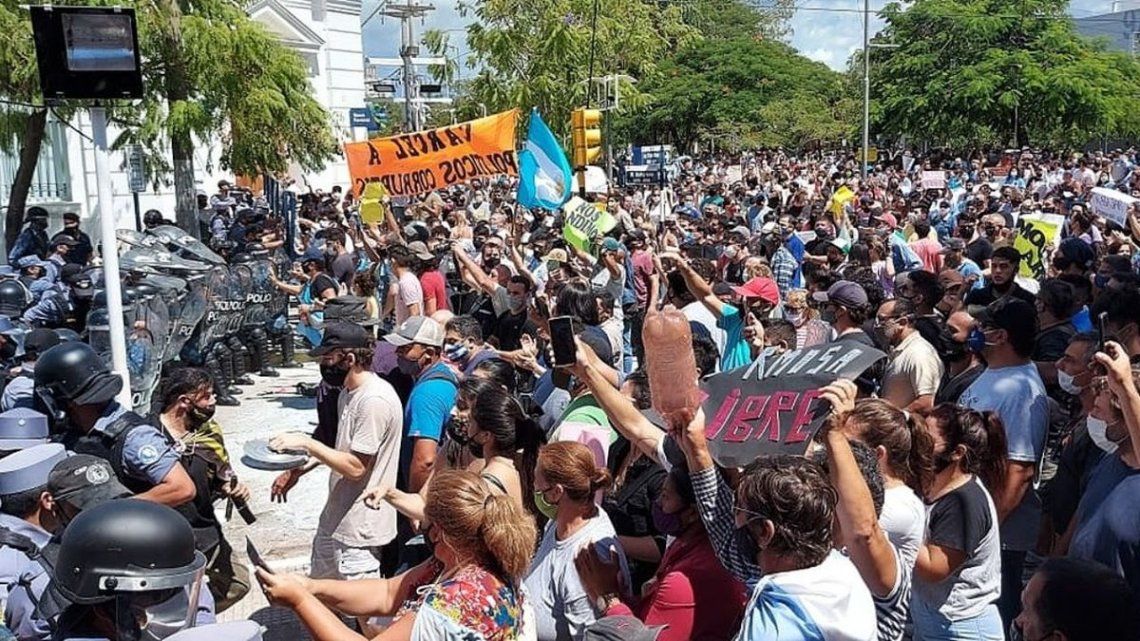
(952, 350)
(334, 375)
(7, 350)
(199, 416)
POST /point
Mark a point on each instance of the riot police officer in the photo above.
(126, 570)
(80, 254)
(78, 391)
(33, 240)
(21, 428)
(23, 508)
(18, 391)
(14, 297)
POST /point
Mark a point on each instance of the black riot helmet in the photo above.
(139, 558)
(146, 290)
(152, 218)
(14, 298)
(257, 250)
(73, 372)
(241, 258)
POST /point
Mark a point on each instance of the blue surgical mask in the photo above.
(1100, 281)
(976, 341)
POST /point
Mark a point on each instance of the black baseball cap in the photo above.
(342, 335)
(845, 293)
(84, 481)
(1009, 313)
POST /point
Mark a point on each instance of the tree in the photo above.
(744, 92)
(986, 70)
(536, 53)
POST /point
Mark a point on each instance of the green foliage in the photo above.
(743, 92)
(985, 71)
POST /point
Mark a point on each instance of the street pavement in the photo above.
(283, 531)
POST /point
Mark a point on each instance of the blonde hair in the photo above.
(572, 466)
(481, 523)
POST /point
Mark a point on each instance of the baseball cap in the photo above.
(722, 288)
(889, 220)
(621, 628)
(64, 239)
(841, 244)
(1077, 251)
(71, 217)
(741, 230)
(770, 227)
(611, 245)
(1011, 314)
(953, 245)
(420, 250)
(84, 481)
(556, 255)
(760, 287)
(951, 278)
(417, 329)
(342, 335)
(843, 292)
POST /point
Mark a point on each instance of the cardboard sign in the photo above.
(733, 174)
(769, 407)
(584, 222)
(1034, 233)
(372, 203)
(1111, 205)
(934, 180)
(839, 199)
(423, 161)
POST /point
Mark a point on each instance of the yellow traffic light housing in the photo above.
(586, 136)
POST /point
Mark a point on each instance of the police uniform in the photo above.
(22, 471)
(138, 452)
(22, 428)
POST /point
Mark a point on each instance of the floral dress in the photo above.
(472, 605)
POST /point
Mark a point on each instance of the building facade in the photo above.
(327, 35)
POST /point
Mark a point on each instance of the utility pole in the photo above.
(866, 87)
(409, 49)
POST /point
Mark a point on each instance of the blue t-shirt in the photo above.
(1106, 475)
(737, 353)
(430, 403)
(1082, 320)
(1111, 535)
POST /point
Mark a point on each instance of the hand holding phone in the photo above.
(562, 341)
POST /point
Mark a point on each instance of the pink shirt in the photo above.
(434, 288)
(930, 252)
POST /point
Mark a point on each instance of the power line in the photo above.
(965, 15)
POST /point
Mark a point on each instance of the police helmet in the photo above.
(74, 372)
(66, 334)
(257, 250)
(14, 298)
(241, 258)
(152, 218)
(126, 546)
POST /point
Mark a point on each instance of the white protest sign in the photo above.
(933, 180)
(1111, 205)
(733, 174)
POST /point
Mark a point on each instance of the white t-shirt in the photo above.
(408, 293)
(904, 520)
(561, 606)
(371, 424)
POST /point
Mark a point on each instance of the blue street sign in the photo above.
(361, 117)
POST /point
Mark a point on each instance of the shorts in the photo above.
(332, 559)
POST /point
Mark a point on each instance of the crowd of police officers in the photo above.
(90, 546)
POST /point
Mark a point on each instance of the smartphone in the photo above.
(562, 341)
(255, 556)
(1102, 328)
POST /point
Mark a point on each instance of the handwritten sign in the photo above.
(419, 162)
(934, 180)
(1035, 232)
(769, 407)
(372, 202)
(1111, 205)
(584, 223)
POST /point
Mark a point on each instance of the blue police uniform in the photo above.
(22, 427)
(20, 391)
(22, 471)
(147, 456)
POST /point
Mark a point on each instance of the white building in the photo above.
(326, 33)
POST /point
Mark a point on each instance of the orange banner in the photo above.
(419, 162)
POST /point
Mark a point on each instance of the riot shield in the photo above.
(214, 288)
(147, 321)
(188, 246)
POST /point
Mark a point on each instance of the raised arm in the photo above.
(699, 287)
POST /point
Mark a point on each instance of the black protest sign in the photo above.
(769, 407)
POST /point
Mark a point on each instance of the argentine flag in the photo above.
(544, 172)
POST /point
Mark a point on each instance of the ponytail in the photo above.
(921, 456)
(602, 480)
(909, 449)
(509, 535)
(529, 439)
(995, 459)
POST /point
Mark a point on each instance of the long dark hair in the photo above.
(909, 448)
(515, 434)
(577, 299)
(984, 437)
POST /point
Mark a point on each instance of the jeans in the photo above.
(1012, 571)
(931, 625)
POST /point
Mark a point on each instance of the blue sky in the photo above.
(829, 37)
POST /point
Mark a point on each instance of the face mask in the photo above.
(1067, 384)
(199, 416)
(456, 352)
(334, 375)
(517, 303)
(457, 429)
(1100, 281)
(1098, 432)
(827, 315)
(411, 368)
(795, 318)
(952, 350)
(666, 523)
(730, 252)
(976, 342)
(548, 509)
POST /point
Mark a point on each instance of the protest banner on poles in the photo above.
(422, 161)
(1035, 232)
(584, 222)
(1111, 205)
(769, 407)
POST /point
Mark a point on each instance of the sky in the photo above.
(827, 36)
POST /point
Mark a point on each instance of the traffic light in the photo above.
(586, 133)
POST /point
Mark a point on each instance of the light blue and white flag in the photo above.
(544, 172)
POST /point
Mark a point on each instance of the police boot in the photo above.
(239, 360)
(259, 353)
(287, 354)
(221, 394)
(226, 359)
